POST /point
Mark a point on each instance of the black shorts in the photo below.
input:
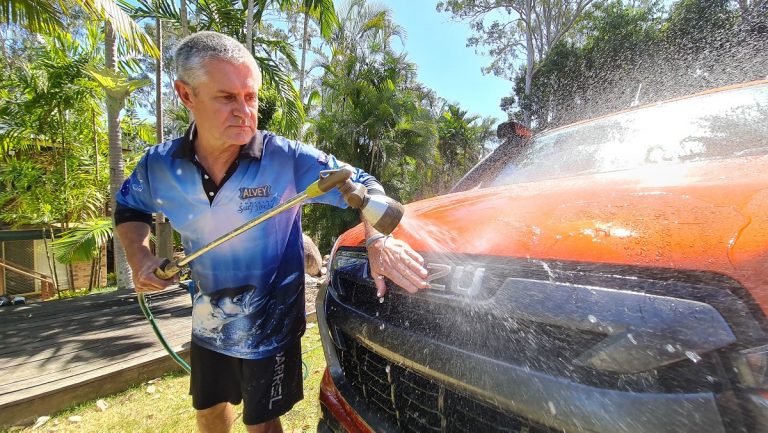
(268, 387)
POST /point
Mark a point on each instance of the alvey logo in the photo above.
(255, 192)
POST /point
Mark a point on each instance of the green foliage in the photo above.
(50, 139)
(620, 55)
(376, 116)
(48, 17)
(83, 242)
(36, 15)
(67, 294)
(460, 146)
(274, 56)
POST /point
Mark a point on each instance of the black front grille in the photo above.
(529, 344)
(417, 404)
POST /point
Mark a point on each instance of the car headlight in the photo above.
(752, 367)
(346, 259)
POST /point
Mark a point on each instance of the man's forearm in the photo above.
(134, 236)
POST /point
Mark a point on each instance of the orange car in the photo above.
(606, 276)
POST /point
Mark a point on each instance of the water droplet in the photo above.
(693, 356)
(377, 314)
(632, 338)
(381, 326)
(592, 319)
(381, 300)
(669, 348)
(387, 368)
(552, 409)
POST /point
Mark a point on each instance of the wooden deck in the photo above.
(59, 353)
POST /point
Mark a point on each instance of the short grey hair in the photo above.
(197, 48)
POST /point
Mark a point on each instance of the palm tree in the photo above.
(460, 145)
(30, 14)
(45, 16)
(232, 19)
(324, 13)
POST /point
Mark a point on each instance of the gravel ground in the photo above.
(311, 287)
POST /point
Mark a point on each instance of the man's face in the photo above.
(225, 104)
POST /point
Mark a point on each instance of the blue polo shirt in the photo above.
(250, 290)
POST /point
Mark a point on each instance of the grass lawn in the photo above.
(165, 406)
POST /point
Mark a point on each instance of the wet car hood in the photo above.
(708, 215)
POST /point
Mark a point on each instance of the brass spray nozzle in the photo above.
(382, 212)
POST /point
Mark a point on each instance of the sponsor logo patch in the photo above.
(255, 192)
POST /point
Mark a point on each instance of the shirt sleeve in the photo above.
(134, 201)
(310, 161)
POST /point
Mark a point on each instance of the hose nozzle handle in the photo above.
(167, 269)
(380, 211)
(329, 179)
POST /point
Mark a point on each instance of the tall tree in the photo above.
(373, 113)
(324, 14)
(530, 26)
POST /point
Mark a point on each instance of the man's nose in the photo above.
(242, 109)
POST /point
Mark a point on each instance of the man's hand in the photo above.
(144, 278)
(396, 260)
(134, 236)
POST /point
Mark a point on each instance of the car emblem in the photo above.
(466, 280)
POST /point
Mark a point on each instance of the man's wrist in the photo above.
(375, 237)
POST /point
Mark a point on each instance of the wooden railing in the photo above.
(47, 284)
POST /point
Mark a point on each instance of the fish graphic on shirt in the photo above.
(212, 312)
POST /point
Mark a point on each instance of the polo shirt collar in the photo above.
(186, 148)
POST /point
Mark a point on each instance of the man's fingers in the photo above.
(146, 281)
(414, 256)
(381, 285)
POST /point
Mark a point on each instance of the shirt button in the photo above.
(205, 176)
(211, 193)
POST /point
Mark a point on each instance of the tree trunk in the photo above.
(529, 64)
(249, 27)
(52, 261)
(159, 83)
(95, 146)
(184, 22)
(304, 43)
(116, 164)
(163, 233)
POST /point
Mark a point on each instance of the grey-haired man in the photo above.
(248, 313)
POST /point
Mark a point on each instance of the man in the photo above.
(248, 312)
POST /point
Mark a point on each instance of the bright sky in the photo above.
(437, 45)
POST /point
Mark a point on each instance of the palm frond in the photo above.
(34, 15)
(151, 9)
(83, 243)
(290, 102)
(123, 24)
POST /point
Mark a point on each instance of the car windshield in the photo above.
(725, 124)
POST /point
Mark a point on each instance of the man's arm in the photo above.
(134, 236)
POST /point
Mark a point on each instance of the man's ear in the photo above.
(185, 93)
